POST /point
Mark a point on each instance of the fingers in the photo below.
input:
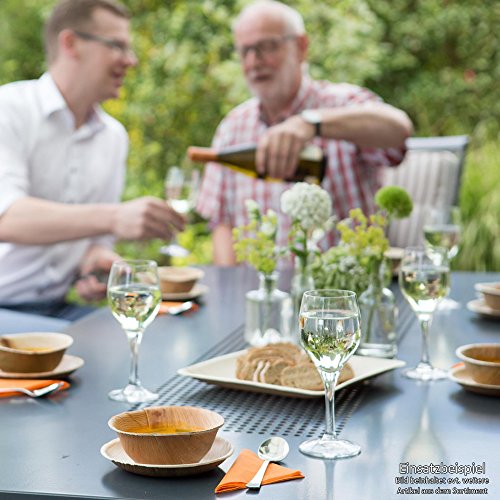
(90, 288)
(283, 159)
(162, 221)
(147, 218)
(278, 151)
(98, 259)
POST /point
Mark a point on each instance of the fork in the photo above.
(43, 391)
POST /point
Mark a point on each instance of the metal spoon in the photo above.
(185, 306)
(43, 391)
(273, 449)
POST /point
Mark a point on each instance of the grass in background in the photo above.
(480, 208)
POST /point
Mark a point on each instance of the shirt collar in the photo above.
(51, 101)
(295, 106)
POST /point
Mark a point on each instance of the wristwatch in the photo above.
(313, 116)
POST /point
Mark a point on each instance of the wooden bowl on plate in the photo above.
(178, 279)
(32, 352)
(167, 435)
(482, 362)
(491, 294)
(394, 255)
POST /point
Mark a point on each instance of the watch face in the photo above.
(311, 116)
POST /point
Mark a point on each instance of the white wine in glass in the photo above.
(424, 280)
(330, 333)
(134, 298)
(442, 229)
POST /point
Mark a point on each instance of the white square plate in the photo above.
(222, 371)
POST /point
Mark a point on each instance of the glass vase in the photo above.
(268, 313)
(302, 280)
(378, 309)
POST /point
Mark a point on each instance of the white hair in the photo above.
(293, 20)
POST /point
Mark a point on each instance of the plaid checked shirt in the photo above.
(351, 175)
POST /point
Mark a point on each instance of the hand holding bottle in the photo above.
(278, 150)
(241, 158)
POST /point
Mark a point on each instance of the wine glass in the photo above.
(181, 189)
(442, 229)
(330, 333)
(134, 297)
(424, 279)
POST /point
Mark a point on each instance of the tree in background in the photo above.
(437, 60)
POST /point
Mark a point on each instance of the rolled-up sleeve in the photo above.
(373, 157)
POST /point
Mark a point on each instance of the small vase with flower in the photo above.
(267, 310)
(309, 207)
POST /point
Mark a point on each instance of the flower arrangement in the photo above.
(336, 268)
(363, 242)
(256, 242)
(310, 208)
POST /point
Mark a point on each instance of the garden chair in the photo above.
(431, 173)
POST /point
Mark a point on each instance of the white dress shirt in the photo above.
(43, 156)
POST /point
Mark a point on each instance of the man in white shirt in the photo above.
(62, 165)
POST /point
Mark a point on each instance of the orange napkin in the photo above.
(246, 466)
(165, 306)
(7, 383)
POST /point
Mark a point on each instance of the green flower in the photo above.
(395, 201)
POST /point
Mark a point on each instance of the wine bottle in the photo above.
(311, 165)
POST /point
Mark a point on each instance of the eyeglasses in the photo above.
(265, 47)
(122, 47)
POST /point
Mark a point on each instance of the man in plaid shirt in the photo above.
(356, 130)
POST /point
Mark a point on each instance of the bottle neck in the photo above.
(268, 282)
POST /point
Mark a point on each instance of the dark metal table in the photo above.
(50, 447)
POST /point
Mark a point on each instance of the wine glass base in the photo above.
(133, 394)
(425, 373)
(331, 449)
(174, 251)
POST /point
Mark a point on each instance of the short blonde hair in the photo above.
(75, 15)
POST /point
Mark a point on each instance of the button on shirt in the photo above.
(43, 156)
(351, 176)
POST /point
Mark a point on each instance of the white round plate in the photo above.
(221, 449)
(480, 307)
(460, 375)
(67, 365)
(195, 292)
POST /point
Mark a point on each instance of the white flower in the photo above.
(253, 209)
(268, 228)
(251, 205)
(307, 204)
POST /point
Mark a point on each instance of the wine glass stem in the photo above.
(425, 325)
(134, 341)
(330, 381)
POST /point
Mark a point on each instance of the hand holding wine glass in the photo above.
(134, 297)
(181, 189)
(330, 333)
(424, 279)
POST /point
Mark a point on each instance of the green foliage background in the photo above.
(438, 60)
